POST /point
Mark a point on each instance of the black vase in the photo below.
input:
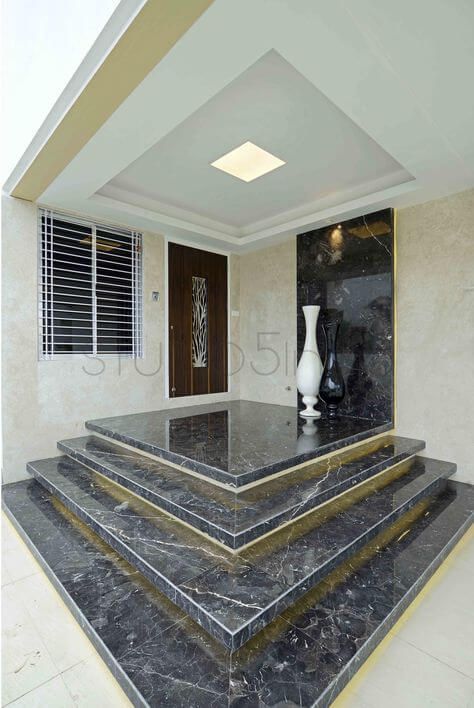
(332, 388)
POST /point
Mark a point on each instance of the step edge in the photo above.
(279, 604)
(119, 546)
(127, 685)
(115, 476)
(356, 662)
(153, 497)
(312, 579)
(325, 699)
(227, 478)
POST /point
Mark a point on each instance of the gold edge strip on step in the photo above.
(352, 491)
(327, 585)
(351, 495)
(279, 624)
(250, 485)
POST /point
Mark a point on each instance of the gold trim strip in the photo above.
(301, 522)
(250, 485)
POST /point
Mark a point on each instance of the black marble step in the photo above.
(236, 519)
(234, 596)
(302, 659)
(237, 442)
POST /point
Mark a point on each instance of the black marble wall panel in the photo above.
(349, 266)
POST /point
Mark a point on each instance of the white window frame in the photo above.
(137, 269)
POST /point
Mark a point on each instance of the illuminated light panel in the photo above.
(247, 162)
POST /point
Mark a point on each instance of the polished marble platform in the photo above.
(238, 442)
(219, 556)
(234, 596)
(236, 518)
(304, 658)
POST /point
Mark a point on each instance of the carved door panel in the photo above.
(197, 311)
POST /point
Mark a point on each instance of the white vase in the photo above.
(310, 368)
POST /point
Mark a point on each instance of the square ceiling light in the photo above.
(247, 162)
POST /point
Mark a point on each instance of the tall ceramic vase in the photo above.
(332, 387)
(310, 368)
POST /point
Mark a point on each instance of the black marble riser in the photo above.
(236, 519)
(235, 597)
(236, 443)
(304, 659)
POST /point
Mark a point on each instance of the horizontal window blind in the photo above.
(90, 299)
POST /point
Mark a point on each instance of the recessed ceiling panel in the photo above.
(247, 162)
(272, 105)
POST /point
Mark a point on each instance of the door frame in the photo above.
(197, 397)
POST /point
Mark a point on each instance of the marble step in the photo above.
(237, 519)
(303, 659)
(233, 596)
(235, 443)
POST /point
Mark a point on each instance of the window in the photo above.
(90, 288)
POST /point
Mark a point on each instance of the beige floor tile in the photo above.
(66, 642)
(17, 560)
(92, 686)
(406, 677)
(6, 577)
(465, 554)
(443, 625)
(471, 701)
(26, 662)
(52, 694)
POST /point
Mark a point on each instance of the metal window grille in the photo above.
(90, 288)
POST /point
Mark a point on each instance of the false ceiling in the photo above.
(271, 104)
(367, 109)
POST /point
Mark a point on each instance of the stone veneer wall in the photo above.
(45, 401)
(435, 360)
(350, 269)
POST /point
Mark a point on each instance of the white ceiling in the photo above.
(369, 104)
(271, 104)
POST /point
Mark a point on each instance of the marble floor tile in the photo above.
(235, 442)
(91, 686)
(56, 627)
(52, 694)
(26, 662)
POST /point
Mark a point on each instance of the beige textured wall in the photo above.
(47, 401)
(44, 401)
(268, 318)
(435, 372)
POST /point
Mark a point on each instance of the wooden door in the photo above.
(197, 313)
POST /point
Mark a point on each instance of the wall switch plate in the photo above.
(155, 295)
(235, 313)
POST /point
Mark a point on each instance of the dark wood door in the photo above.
(197, 312)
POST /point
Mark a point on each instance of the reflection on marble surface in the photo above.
(351, 269)
(236, 519)
(237, 442)
(233, 596)
(303, 659)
